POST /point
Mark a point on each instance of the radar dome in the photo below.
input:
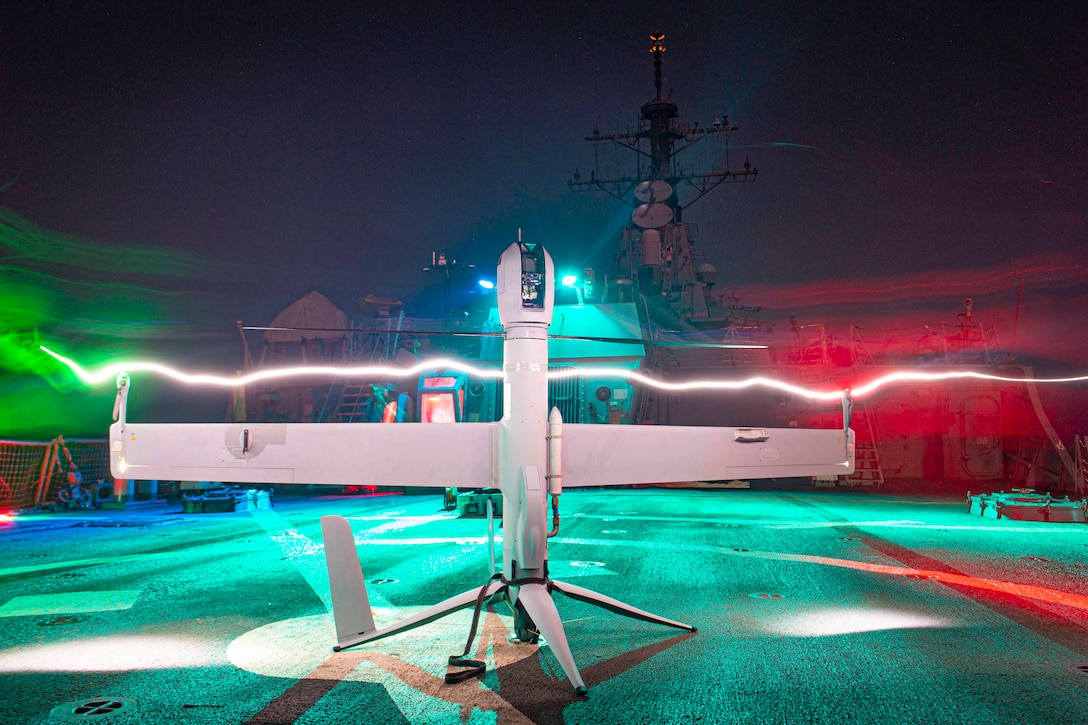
(706, 273)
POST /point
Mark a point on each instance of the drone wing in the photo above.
(407, 454)
(602, 455)
(462, 454)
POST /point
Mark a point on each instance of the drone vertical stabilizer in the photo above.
(350, 603)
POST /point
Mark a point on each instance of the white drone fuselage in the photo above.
(520, 454)
(525, 298)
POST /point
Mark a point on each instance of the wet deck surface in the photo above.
(825, 606)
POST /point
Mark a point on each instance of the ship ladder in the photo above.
(353, 402)
(867, 469)
(1080, 481)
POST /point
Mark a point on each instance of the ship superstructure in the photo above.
(657, 255)
(951, 431)
(656, 289)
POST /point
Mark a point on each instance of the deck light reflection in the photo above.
(113, 654)
(840, 621)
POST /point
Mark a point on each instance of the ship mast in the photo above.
(666, 136)
(658, 258)
(659, 113)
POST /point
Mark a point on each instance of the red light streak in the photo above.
(1055, 268)
(1027, 591)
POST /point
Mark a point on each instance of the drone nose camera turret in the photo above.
(525, 285)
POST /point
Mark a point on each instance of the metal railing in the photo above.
(31, 472)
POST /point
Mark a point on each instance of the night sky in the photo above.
(240, 155)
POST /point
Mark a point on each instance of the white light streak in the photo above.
(110, 372)
(911, 376)
(899, 377)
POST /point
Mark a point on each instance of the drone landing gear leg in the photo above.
(538, 603)
(355, 623)
(613, 605)
(461, 601)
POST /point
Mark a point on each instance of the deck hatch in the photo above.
(96, 708)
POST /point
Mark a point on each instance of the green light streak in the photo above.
(26, 241)
(93, 296)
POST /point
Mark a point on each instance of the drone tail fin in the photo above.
(350, 603)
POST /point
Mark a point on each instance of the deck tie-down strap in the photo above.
(476, 668)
